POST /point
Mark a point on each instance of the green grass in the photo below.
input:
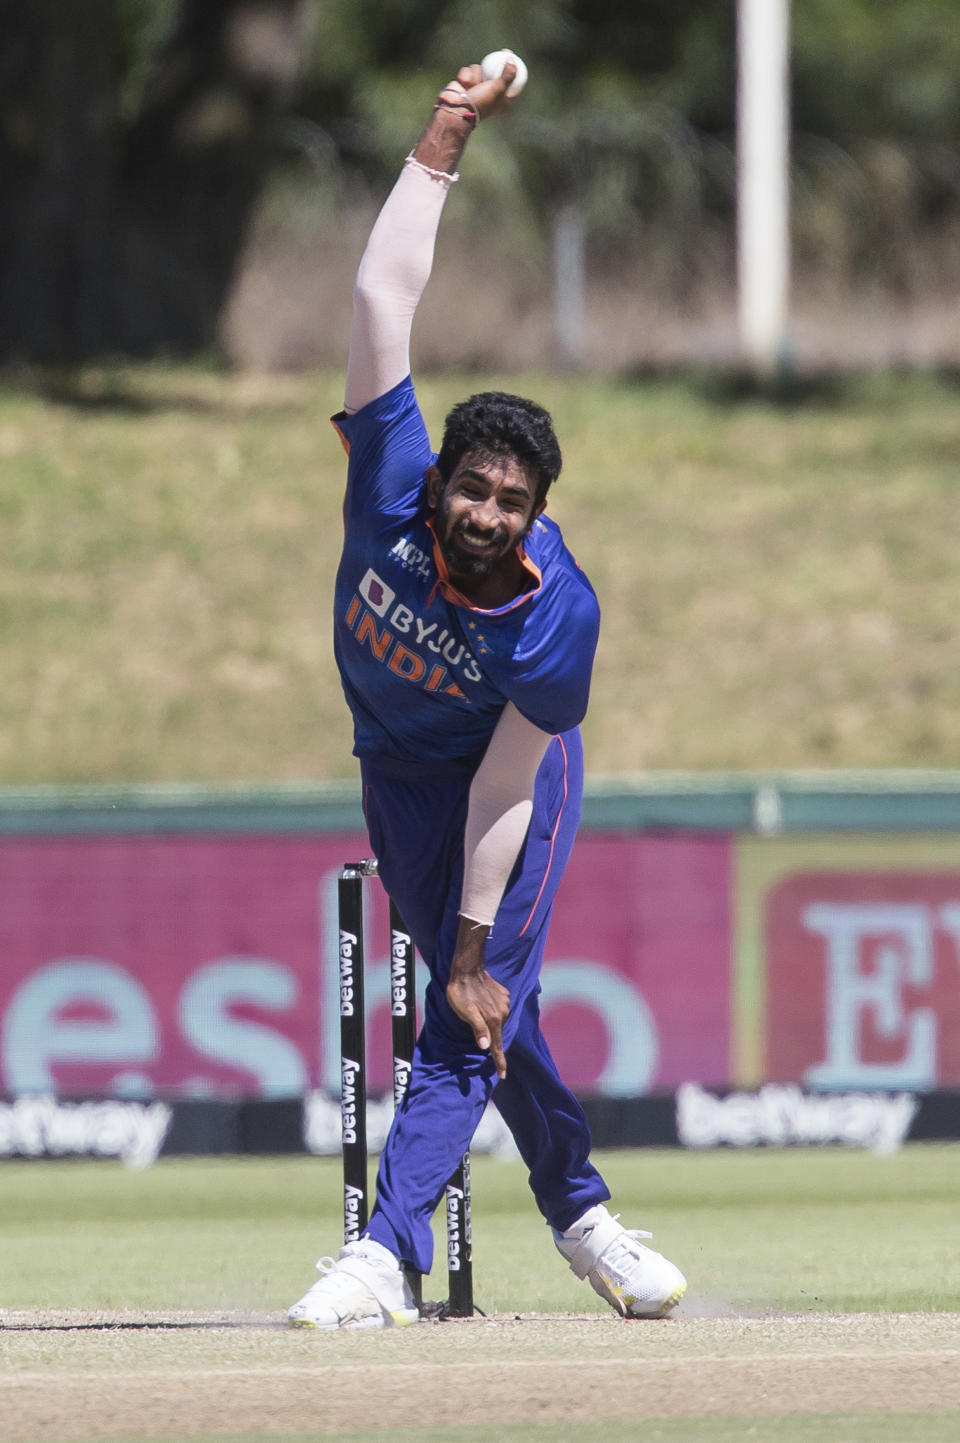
(784, 1428)
(806, 1231)
(777, 583)
(786, 1251)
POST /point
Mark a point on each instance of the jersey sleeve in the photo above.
(546, 673)
(388, 450)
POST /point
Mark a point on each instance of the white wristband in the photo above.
(443, 176)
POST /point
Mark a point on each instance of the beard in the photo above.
(461, 558)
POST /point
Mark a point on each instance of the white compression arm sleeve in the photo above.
(393, 272)
(501, 803)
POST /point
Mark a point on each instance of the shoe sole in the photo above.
(665, 1307)
(402, 1318)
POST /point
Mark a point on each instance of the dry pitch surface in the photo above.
(178, 1375)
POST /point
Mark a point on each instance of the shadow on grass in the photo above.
(789, 389)
(117, 388)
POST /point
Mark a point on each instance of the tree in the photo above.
(122, 229)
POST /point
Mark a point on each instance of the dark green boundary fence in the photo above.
(762, 803)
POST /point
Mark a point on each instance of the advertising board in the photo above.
(848, 970)
(206, 965)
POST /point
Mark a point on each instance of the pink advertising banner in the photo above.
(205, 965)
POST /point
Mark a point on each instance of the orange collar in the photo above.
(453, 594)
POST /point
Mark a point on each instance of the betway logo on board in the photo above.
(780, 1115)
(348, 942)
(352, 1198)
(349, 1073)
(401, 1079)
(399, 999)
(44, 1127)
(454, 1204)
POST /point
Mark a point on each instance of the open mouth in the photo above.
(479, 545)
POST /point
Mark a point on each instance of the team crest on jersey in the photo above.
(376, 593)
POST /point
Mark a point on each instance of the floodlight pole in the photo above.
(763, 169)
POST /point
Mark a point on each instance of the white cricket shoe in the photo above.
(365, 1288)
(634, 1280)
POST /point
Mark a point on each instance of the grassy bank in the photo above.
(778, 584)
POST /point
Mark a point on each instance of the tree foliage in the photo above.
(860, 69)
(136, 135)
(134, 139)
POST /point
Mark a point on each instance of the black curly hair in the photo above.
(497, 424)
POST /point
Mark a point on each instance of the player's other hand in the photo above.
(484, 1005)
(478, 999)
(489, 96)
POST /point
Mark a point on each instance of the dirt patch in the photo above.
(86, 1376)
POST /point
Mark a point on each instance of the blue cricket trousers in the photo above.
(416, 817)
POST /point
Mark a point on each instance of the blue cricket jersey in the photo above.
(426, 674)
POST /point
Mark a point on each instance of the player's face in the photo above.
(483, 512)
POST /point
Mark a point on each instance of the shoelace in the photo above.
(335, 1285)
(620, 1245)
(618, 1249)
(327, 1265)
(633, 1232)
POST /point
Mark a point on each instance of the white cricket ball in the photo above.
(492, 65)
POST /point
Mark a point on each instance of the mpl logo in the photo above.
(862, 980)
(376, 593)
(411, 558)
